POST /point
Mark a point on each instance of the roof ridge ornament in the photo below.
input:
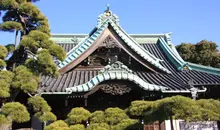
(108, 15)
(107, 11)
(168, 39)
(116, 67)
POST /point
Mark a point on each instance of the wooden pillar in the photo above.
(85, 100)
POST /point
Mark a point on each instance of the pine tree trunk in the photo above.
(15, 44)
(171, 123)
(16, 39)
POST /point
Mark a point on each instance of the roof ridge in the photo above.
(203, 68)
(57, 35)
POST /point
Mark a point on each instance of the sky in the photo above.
(190, 21)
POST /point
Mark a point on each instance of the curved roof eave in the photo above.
(173, 57)
(114, 76)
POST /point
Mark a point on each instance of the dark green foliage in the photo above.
(7, 76)
(45, 116)
(187, 112)
(177, 107)
(20, 1)
(138, 108)
(10, 47)
(187, 51)
(4, 88)
(29, 43)
(57, 125)
(39, 104)
(4, 123)
(57, 51)
(114, 115)
(7, 4)
(5, 81)
(44, 29)
(46, 44)
(46, 62)
(78, 115)
(77, 127)
(125, 124)
(3, 52)
(43, 65)
(10, 26)
(110, 119)
(209, 109)
(204, 52)
(30, 9)
(38, 36)
(97, 117)
(15, 112)
(99, 126)
(2, 64)
(25, 80)
(42, 109)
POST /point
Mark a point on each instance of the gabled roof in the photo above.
(156, 49)
(104, 23)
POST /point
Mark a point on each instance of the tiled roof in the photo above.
(67, 80)
(67, 46)
(177, 80)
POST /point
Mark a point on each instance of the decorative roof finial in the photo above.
(107, 11)
(108, 15)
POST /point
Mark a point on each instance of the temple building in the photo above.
(110, 68)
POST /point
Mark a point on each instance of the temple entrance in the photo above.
(113, 95)
(116, 93)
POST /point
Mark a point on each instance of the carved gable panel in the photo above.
(115, 89)
(109, 42)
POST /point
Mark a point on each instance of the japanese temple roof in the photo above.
(156, 48)
(177, 81)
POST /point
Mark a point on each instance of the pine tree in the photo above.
(33, 54)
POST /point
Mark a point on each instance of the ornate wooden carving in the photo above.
(96, 60)
(116, 66)
(109, 42)
(115, 89)
(75, 40)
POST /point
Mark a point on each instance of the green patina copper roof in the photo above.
(203, 68)
(174, 58)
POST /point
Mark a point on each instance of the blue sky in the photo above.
(188, 20)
